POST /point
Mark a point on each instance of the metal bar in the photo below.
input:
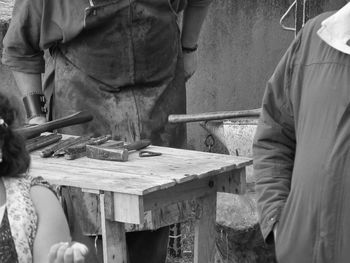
(290, 8)
(299, 15)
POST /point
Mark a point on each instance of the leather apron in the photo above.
(125, 68)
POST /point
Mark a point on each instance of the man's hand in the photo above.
(65, 252)
(190, 64)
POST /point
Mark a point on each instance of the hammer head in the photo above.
(106, 153)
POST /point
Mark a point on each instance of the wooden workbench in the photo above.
(151, 192)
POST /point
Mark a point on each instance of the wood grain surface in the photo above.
(137, 176)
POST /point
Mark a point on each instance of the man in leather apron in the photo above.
(123, 62)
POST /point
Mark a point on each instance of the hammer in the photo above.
(112, 153)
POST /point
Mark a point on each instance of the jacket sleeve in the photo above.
(21, 43)
(274, 144)
(37, 25)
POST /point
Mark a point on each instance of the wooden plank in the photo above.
(160, 204)
(128, 208)
(113, 238)
(91, 191)
(155, 219)
(233, 182)
(165, 216)
(157, 204)
(205, 233)
(180, 192)
(172, 165)
(148, 174)
(100, 180)
(184, 154)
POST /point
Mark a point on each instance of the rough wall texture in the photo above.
(240, 45)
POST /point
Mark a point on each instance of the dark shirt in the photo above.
(38, 24)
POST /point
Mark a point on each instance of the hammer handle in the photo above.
(137, 145)
(76, 118)
(218, 115)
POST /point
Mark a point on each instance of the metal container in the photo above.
(239, 238)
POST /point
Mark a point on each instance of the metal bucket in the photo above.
(239, 237)
(236, 135)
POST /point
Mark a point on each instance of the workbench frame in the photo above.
(190, 200)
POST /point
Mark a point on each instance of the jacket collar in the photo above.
(335, 30)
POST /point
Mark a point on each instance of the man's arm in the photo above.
(274, 144)
(193, 19)
(24, 56)
(29, 83)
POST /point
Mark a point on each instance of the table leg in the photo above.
(113, 238)
(205, 232)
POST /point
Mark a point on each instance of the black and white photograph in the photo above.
(174, 131)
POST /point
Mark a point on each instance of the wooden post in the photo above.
(113, 237)
(205, 233)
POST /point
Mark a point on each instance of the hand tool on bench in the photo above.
(58, 148)
(42, 141)
(62, 150)
(120, 154)
(149, 153)
(79, 150)
(36, 130)
(219, 115)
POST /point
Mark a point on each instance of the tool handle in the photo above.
(43, 142)
(137, 145)
(79, 150)
(47, 152)
(76, 118)
(218, 115)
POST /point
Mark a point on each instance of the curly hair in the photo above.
(15, 157)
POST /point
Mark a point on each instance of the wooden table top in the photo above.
(137, 176)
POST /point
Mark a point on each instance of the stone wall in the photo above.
(240, 45)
